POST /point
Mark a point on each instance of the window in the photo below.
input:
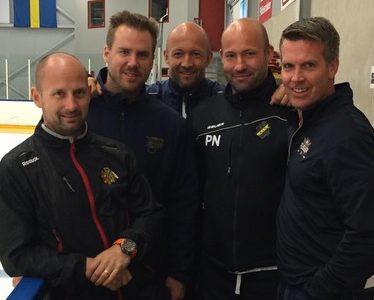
(159, 9)
(96, 13)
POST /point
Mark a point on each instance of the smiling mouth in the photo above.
(242, 77)
(186, 73)
(70, 117)
(299, 90)
(131, 75)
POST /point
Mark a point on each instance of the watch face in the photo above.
(128, 246)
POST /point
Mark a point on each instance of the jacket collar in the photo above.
(57, 139)
(343, 95)
(179, 92)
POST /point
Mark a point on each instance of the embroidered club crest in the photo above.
(263, 130)
(108, 176)
(304, 147)
(154, 144)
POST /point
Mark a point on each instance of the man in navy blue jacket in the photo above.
(158, 137)
(325, 219)
(188, 54)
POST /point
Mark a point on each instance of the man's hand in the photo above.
(109, 268)
(94, 86)
(16, 280)
(280, 97)
(176, 288)
(122, 278)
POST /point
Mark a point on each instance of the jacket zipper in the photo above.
(60, 246)
(91, 200)
(290, 143)
(90, 195)
(234, 248)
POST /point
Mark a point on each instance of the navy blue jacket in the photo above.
(181, 100)
(326, 217)
(164, 152)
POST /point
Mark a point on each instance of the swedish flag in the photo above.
(35, 13)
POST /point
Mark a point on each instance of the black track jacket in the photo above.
(242, 144)
(47, 227)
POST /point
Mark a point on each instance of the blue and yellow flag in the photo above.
(35, 13)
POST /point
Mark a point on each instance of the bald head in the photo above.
(54, 62)
(187, 30)
(245, 53)
(188, 54)
(247, 26)
(62, 93)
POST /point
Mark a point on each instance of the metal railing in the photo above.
(29, 288)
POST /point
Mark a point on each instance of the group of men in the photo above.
(242, 200)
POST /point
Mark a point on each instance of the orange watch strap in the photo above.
(122, 240)
(119, 241)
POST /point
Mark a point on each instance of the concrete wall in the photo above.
(354, 22)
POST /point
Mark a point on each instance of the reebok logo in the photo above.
(30, 161)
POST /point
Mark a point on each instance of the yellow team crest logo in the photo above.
(108, 176)
(263, 130)
(154, 144)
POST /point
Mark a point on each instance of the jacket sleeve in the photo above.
(22, 252)
(350, 175)
(145, 214)
(181, 214)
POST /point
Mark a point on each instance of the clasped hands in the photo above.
(109, 268)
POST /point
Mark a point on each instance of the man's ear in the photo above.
(36, 97)
(209, 58)
(166, 56)
(333, 68)
(106, 54)
(270, 53)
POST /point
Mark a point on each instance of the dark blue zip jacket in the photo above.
(164, 151)
(326, 217)
(182, 100)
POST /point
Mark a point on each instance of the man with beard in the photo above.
(242, 146)
(159, 138)
(187, 54)
(74, 210)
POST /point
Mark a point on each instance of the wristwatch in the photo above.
(127, 246)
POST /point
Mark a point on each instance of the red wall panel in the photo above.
(212, 16)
